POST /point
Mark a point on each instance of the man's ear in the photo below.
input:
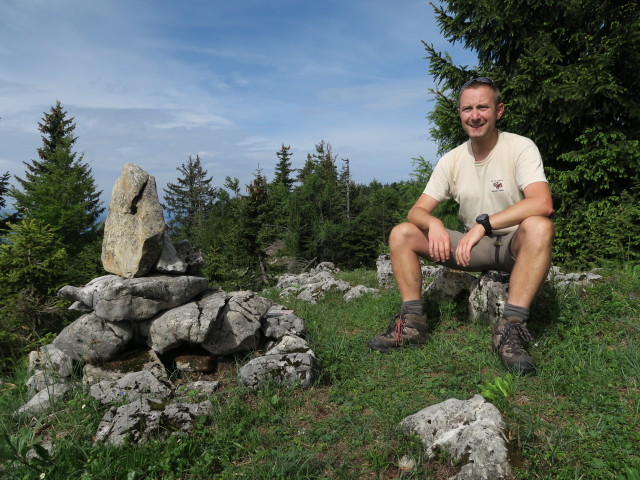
(499, 110)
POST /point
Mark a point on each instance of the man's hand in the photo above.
(439, 242)
(466, 243)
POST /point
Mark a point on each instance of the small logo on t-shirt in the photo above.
(497, 186)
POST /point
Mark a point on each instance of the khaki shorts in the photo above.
(491, 253)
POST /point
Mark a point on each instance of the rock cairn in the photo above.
(153, 304)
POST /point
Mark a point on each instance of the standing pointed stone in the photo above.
(134, 230)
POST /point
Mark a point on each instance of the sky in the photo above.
(151, 82)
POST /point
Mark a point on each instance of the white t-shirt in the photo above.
(489, 186)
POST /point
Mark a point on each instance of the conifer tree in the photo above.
(568, 73)
(59, 188)
(283, 169)
(4, 189)
(189, 200)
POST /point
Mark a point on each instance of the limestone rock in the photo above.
(187, 324)
(131, 387)
(134, 229)
(193, 258)
(450, 284)
(471, 431)
(290, 344)
(93, 339)
(201, 388)
(169, 261)
(145, 418)
(291, 369)
(115, 298)
(276, 325)
(358, 291)
(44, 399)
(237, 328)
(488, 296)
(385, 272)
(51, 359)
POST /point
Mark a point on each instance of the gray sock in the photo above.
(413, 307)
(515, 311)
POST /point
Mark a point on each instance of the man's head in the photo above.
(474, 82)
(480, 108)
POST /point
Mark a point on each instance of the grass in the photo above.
(578, 418)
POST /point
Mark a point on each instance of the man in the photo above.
(498, 180)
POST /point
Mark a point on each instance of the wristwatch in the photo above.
(483, 219)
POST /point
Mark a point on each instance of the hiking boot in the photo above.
(404, 329)
(509, 336)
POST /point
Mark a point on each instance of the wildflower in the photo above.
(42, 475)
(83, 405)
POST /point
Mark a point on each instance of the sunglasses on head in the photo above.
(485, 80)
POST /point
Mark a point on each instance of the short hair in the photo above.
(497, 96)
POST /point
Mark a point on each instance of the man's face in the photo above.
(479, 112)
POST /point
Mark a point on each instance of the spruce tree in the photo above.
(189, 200)
(568, 73)
(4, 190)
(283, 169)
(59, 188)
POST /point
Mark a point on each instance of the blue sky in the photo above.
(153, 81)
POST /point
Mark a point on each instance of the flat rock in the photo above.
(115, 298)
(131, 386)
(146, 418)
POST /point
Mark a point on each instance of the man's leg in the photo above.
(406, 244)
(531, 247)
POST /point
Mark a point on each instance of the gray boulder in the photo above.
(199, 388)
(131, 387)
(146, 418)
(237, 327)
(290, 369)
(470, 431)
(134, 229)
(358, 291)
(187, 324)
(289, 344)
(275, 325)
(51, 359)
(193, 258)
(450, 284)
(93, 339)
(115, 298)
(488, 295)
(169, 261)
(42, 400)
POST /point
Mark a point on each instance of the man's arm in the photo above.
(439, 241)
(536, 202)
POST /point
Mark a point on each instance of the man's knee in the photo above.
(401, 231)
(537, 229)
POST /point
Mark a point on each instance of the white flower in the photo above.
(42, 475)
